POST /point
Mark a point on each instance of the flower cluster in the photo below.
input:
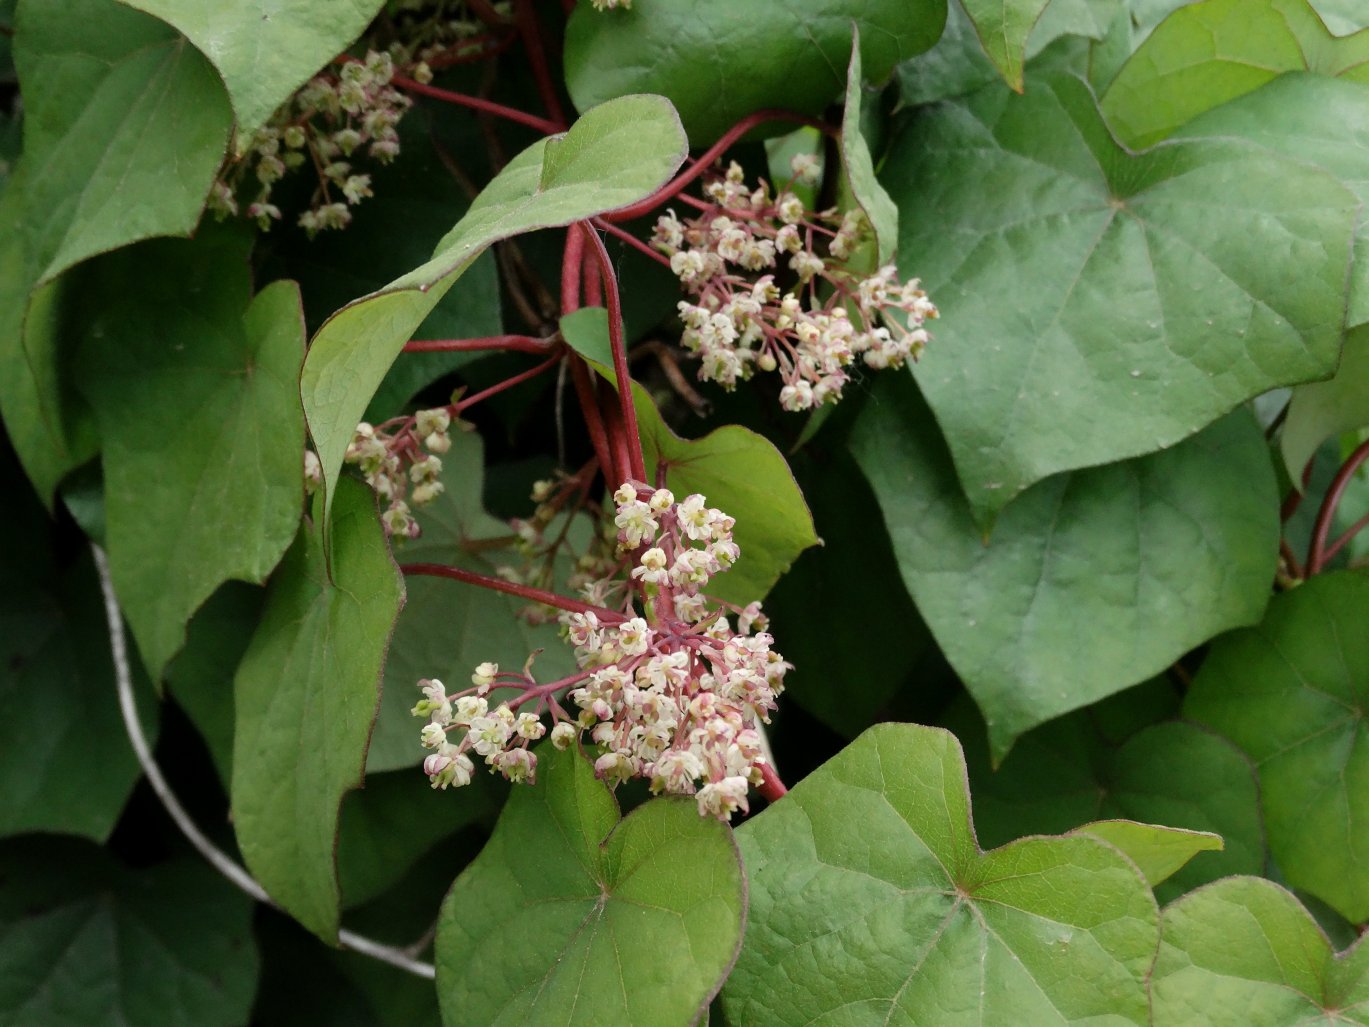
(401, 460)
(440, 32)
(673, 693)
(330, 123)
(811, 329)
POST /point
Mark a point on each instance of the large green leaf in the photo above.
(569, 916)
(265, 49)
(58, 709)
(615, 154)
(1154, 556)
(718, 61)
(306, 695)
(1244, 951)
(1075, 770)
(193, 384)
(737, 470)
(125, 125)
(1207, 53)
(447, 628)
(1106, 304)
(872, 903)
(87, 943)
(1292, 692)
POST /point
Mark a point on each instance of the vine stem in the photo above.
(637, 465)
(771, 787)
(478, 104)
(707, 158)
(532, 595)
(507, 383)
(1317, 554)
(489, 343)
(216, 857)
(631, 240)
(525, 17)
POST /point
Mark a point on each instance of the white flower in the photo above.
(723, 798)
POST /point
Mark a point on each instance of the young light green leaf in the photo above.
(193, 384)
(905, 919)
(1003, 27)
(263, 49)
(693, 50)
(1158, 852)
(1189, 538)
(736, 470)
(1245, 951)
(57, 702)
(1072, 770)
(306, 694)
(1207, 53)
(860, 168)
(571, 917)
(1291, 693)
(124, 130)
(447, 628)
(1106, 304)
(615, 154)
(86, 943)
(1342, 17)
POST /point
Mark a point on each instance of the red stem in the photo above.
(476, 103)
(771, 787)
(637, 467)
(572, 260)
(593, 283)
(531, 31)
(1316, 552)
(516, 343)
(466, 55)
(706, 160)
(631, 240)
(1350, 532)
(1294, 498)
(508, 383)
(589, 407)
(621, 467)
(532, 595)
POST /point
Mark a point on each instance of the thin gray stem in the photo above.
(217, 858)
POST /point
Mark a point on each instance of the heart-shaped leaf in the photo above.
(263, 49)
(1292, 693)
(1106, 304)
(125, 125)
(1244, 951)
(1080, 768)
(571, 917)
(193, 384)
(615, 154)
(1207, 53)
(693, 50)
(306, 695)
(1189, 538)
(1003, 27)
(86, 943)
(872, 903)
(738, 471)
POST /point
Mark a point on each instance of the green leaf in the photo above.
(125, 125)
(193, 384)
(1342, 17)
(1156, 555)
(87, 943)
(571, 917)
(860, 167)
(1291, 693)
(614, 155)
(718, 61)
(1081, 768)
(58, 709)
(263, 49)
(1322, 410)
(1158, 852)
(736, 470)
(1105, 305)
(306, 695)
(1207, 53)
(1003, 27)
(447, 628)
(903, 918)
(1245, 951)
